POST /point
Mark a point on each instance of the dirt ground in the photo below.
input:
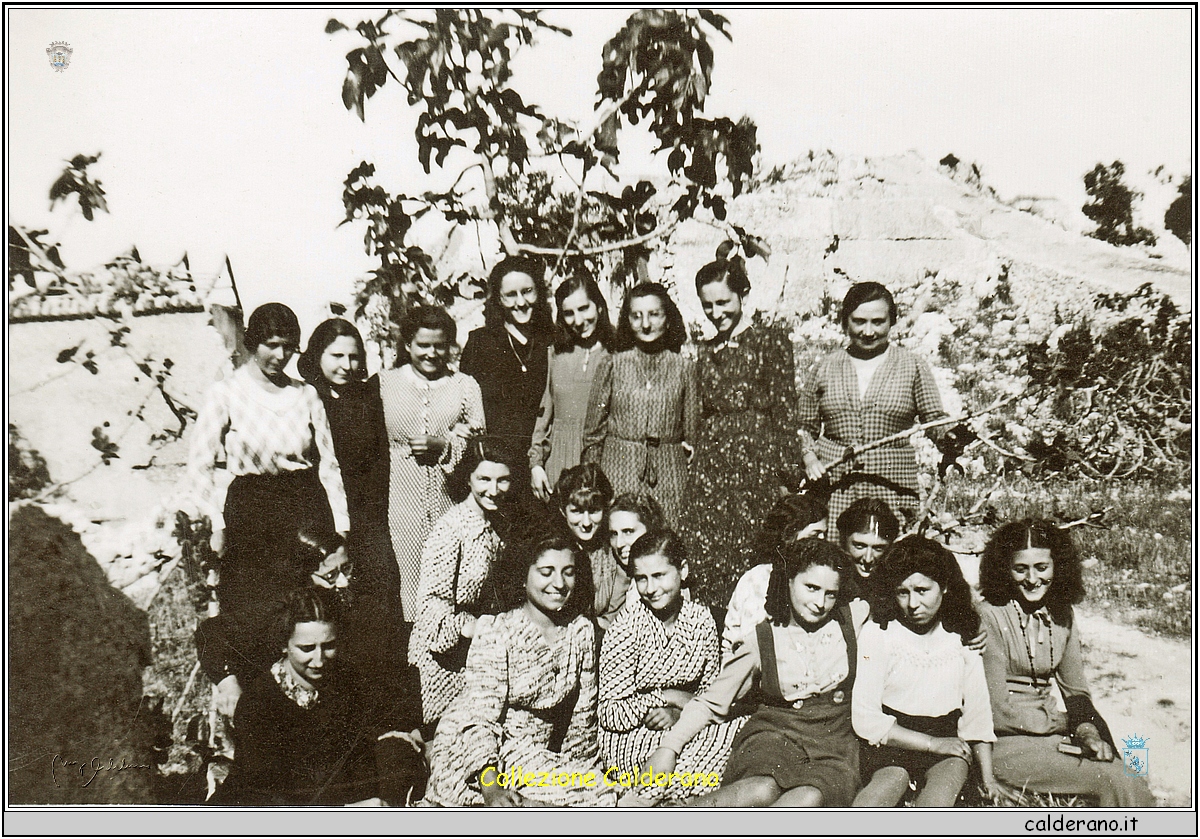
(1142, 684)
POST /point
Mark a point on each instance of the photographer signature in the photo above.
(89, 769)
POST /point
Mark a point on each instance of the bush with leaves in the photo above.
(1111, 206)
(455, 66)
(1178, 218)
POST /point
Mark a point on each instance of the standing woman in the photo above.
(644, 405)
(335, 364)
(508, 355)
(582, 337)
(747, 433)
(1030, 578)
(272, 434)
(862, 393)
(429, 411)
(456, 572)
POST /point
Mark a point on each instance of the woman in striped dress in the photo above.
(660, 652)
(867, 391)
(644, 407)
(429, 412)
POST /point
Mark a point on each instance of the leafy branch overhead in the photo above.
(455, 66)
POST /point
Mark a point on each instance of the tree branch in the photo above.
(606, 248)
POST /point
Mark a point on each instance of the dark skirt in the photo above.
(813, 745)
(915, 763)
(263, 558)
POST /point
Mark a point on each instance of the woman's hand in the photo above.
(1000, 792)
(426, 449)
(979, 642)
(468, 630)
(498, 796)
(813, 467)
(229, 691)
(1093, 745)
(663, 760)
(660, 719)
(675, 697)
(217, 541)
(539, 482)
(950, 746)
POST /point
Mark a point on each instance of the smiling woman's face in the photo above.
(1032, 571)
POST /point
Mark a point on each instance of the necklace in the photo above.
(1029, 619)
(513, 345)
(642, 364)
(587, 354)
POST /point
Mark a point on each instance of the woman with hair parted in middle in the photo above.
(644, 405)
(1030, 579)
(921, 699)
(583, 335)
(862, 393)
(527, 716)
(747, 445)
(429, 411)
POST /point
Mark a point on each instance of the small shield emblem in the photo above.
(59, 54)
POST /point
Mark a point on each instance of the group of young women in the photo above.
(585, 630)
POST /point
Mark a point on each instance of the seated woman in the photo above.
(791, 519)
(299, 738)
(529, 706)
(1029, 577)
(920, 698)
(660, 652)
(798, 749)
(582, 497)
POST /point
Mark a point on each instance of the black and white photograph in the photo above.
(600, 411)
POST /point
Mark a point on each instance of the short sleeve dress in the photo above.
(746, 444)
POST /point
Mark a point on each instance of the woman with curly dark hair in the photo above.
(798, 749)
(583, 336)
(507, 356)
(644, 405)
(1030, 579)
(921, 699)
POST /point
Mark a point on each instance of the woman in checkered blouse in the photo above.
(869, 390)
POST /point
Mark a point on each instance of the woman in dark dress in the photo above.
(747, 436)
(300, 737)
(334, 363)
(509, 355)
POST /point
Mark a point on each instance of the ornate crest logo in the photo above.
(60, 55)
(1136, 756)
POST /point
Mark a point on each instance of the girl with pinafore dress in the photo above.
(798, 749)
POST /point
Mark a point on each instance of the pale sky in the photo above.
(223, 131)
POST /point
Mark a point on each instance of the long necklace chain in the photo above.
(513, 345)
(1029, 645)
(642, 366)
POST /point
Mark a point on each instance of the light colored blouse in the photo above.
(249, 430)
(929, 675)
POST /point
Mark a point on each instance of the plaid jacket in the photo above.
(833, 416)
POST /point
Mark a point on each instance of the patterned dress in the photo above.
(639, 658)
(833, 416)
(747, 441)
(456, 582)
(642, 408)
(529, 706)
(450, 407)
(558, 434)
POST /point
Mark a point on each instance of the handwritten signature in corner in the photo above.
(89, 769)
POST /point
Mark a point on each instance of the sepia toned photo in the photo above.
(621, 410)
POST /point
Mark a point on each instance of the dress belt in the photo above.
(649, 475)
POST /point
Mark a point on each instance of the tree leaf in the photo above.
(334, 25)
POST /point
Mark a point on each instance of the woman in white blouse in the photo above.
(271, 434)
(920, 698)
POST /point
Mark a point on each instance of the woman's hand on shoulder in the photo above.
(226, 697)
(540, 483)
(813, 467)
(1094, 746)
(468, 630)
(660, 719)
(979, 642)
